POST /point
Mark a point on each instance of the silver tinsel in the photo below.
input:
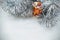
(19, 8)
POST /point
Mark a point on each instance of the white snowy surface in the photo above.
(26, 29)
